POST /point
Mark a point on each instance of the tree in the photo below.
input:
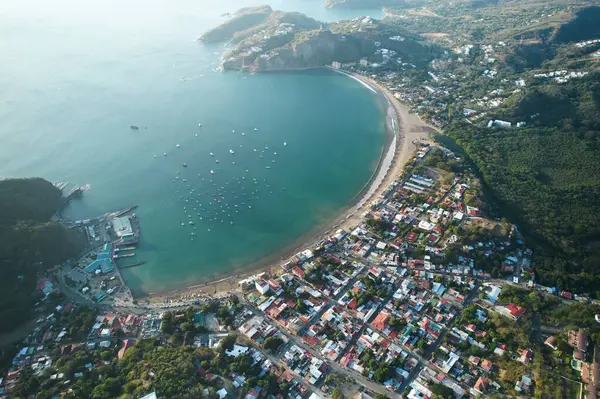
(176, 339)
(227, 343)
(442, 391)
(186, 327)
(337, 394)
(106, 355)
(273, 343)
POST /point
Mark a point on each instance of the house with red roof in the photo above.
(412, 236)
(513, 311)
(486, 365)
(480, 386)
(298, 272)
(381, 321)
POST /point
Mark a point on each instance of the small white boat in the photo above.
(165, 154)
(154, 155)
(255, 150)
(196, 134)
(285, 143)
(177, 145)
(217, 161)
(233, 130)
(243, 134)
(183, 224)
(231, 152)
(274, 153)
(266, 148)
(199, 124)
(255, 129)
(212, 172)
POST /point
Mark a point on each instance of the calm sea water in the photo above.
(76, 74)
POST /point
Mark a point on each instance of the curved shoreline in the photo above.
(395, 153)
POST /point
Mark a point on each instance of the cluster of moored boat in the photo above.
(213, 203)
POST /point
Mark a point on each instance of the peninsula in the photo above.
(261, 39)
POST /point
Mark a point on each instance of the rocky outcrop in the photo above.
(313, 49)
(285, 40)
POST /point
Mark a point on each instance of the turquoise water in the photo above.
(74, 78)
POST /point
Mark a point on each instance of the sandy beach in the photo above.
(403, 130)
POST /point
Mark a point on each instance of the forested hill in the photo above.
(30, 243)
(28, 199)
(546, 178)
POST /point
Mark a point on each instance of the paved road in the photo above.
(359, 378)
(297, 377)
(432, 348)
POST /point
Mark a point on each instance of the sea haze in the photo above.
(76, 76)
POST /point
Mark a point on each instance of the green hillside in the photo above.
(29, 244)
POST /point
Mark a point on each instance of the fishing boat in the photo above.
(255, 129)
(185, 165)
(177, 145)
(212, 172)
(217, 161)
(212, 155)
(231, 152)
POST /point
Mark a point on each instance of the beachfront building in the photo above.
(123, 229)
(103, 262)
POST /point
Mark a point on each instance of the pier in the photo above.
(124, 255)
(132, 265)
(124, 249)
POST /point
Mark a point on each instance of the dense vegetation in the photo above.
(29, 244)
(170, 371)
(547, 181)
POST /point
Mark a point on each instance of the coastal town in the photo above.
(402, 304)
(422, 290)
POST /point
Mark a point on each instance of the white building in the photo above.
(262, 286)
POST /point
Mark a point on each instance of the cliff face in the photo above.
(320, 48)
(283, 41)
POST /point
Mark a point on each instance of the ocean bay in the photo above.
(75, 126)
